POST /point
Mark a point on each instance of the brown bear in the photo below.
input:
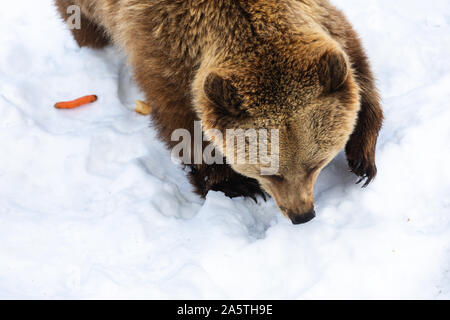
(295, 66)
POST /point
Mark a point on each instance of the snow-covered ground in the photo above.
(91, 205)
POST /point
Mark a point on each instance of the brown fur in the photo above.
(295, 66)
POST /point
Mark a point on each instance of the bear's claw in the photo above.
(224, 179)
(240, 186)
(364, 167)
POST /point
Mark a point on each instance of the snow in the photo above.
(91, 205)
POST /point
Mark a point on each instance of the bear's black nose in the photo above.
(303, 217)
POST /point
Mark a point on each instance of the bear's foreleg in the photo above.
(360, 148)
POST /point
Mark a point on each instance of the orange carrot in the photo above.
(76, 103)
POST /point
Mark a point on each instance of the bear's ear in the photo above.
(333, 71)
(223, 95)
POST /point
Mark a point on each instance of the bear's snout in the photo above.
(299, 218)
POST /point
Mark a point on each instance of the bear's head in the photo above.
(302, 104)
